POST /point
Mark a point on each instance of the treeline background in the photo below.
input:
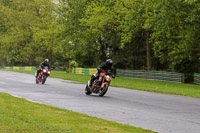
(136, 34)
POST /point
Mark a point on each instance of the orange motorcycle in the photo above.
(100, 85)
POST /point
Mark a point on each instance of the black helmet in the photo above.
(109, 62)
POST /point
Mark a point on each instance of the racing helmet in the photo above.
(46, 60)
(109, 62)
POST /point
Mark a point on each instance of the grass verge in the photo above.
(21, 116)
(138, 84)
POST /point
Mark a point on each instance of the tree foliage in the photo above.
(29, 30)
(136, 34)
(175, 35)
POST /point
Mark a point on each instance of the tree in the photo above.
(79, 46)
(115, 25)
(30, 31)
(175, 35)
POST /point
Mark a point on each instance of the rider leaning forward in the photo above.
(42, 65)
(104, 67)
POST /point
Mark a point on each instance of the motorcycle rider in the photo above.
(104, 67)
(42, 65)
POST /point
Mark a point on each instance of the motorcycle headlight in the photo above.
(44, 70)
(108, 78)
(48, 72)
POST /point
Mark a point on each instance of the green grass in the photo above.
(21, 116)
(138, 84)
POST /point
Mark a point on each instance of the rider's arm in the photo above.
(41, 66)
(100, 67)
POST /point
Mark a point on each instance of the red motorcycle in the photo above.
(99, 86)
(41, 78)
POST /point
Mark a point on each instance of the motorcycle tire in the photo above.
(43, 79)
(87, 90)
(36, 80)
(104, 90)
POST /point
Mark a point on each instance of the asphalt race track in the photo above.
(157, 112)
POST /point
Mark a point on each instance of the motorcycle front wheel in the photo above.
(44, 77)
(104, 90)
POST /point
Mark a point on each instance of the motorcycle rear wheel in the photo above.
(87, 90)
(36, 81)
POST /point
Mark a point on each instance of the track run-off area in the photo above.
(158, 112)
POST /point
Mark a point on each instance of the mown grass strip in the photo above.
(21, 116)
(138, 84)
